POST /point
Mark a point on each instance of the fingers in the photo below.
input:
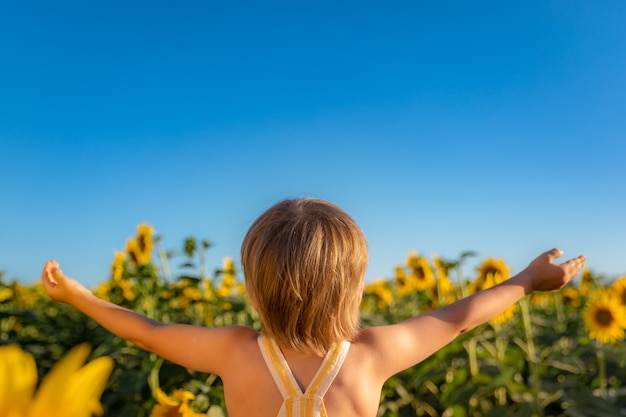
(48, 271)
(576, 264)
(554, 253)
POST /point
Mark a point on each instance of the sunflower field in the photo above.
(552, 354)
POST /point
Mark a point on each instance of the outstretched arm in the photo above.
(404, 344)
(194, 347)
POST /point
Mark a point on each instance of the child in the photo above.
(304, 262)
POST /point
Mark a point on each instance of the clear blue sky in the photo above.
(439, 126)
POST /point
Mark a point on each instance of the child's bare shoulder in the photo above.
(214, 349)
(381, 349)
(236, 336)
(366, 345)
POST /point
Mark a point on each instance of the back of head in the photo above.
(304, 261)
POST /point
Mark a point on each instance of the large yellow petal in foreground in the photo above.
(89, 381)
(18, 378)
(69, 389)
(53, 387)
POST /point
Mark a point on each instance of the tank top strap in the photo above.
(277, 364)
(328, 371)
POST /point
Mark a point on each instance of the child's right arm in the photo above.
(404, 344)
(195, 347)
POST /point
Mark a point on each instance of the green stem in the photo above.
(500, 347)
(462, 282)
(153, 378)
(602, 371)
(531, 351)
(165, 266)
(471, 353)
(203, 270)
(557, 296)
(439, 296)
(500, 392)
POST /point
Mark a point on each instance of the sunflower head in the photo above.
(420, 272)
(604, 317)
(140, 247)
(490, 272)
(402, 283)
(176, 405)
(376, 294)
(506, 316)
(444, 283)
(445, 290)
(586, 282)
(6, 293)
(619, 286)
(571, 296)
(118, 266)
(412, 260)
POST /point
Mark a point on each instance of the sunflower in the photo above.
(541, 299)
(145, 235)
(133, 251)
(403, 286)
(506, 316)
(571, 296)
(103, 290)
(491, 280)
(604, 317)
(377, 293)
(140, 248)
(229, 282)
(175, 405)
(192, 293)
(6, 293)
(619, 286)
(56, 396)
(421, 275)
(117, 267)
(490, 272)
(444, 283)
(586, 282)
(26, 296)
(128, 291)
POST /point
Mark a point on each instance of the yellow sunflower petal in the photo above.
(18, 378)
(89, 381)
(55, 383)
(619, 286)
(183, 395)
(164, 399)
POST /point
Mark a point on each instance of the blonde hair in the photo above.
(304, 262)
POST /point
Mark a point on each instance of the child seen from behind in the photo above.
(304, 263)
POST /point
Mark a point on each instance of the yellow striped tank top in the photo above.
(295, 402)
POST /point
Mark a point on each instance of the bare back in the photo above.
(250, 388)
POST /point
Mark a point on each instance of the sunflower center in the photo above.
(421, 275)
(491, 271)
(604, 317)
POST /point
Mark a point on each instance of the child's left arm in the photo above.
(404, 344)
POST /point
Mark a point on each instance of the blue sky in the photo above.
(440, 127)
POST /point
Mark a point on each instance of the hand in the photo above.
(546, 275)
(58, 286)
